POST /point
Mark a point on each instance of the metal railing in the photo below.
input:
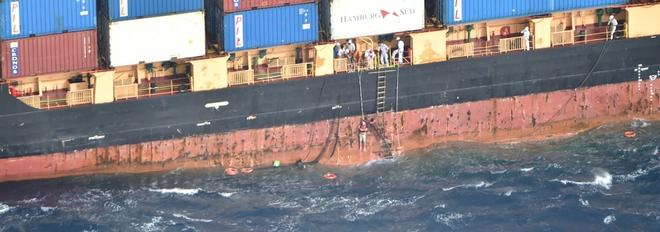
(512, 44)
(34, 101)
(460, 50)
(561, 38)
(173, 86)
(79, 97)
(297, 70)
(241, 77)
(126, 91)
(341, 65)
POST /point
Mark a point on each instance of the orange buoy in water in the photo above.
(247, 170)
(231, 171)
(630, 134)
(330, 176)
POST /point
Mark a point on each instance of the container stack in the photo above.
(47, 36)
(456, 12)
(147, 31)
(254, 24)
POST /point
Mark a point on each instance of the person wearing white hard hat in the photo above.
(384, 58)
(612, 24)
(399, 51)
(526, 36)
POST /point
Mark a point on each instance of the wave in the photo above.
(609, 219)
(481, 184)
(452, 220)
(498, 172)
(655, 152)
(527, 169)
(636, 174)
(191, 219)
(225, 194)
(601, 178)
(5, 208)
(584, 202)
(177, 191)
(640, 123)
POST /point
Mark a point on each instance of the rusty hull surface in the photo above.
(334, 142)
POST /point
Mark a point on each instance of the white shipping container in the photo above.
(351, 18)
(157, 39)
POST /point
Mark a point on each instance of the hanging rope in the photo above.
(361, 98)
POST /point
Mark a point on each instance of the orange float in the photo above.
(247, 170)
(630, 134)
(231, 171)
(330, 176)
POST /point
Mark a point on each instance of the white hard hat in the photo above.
(611, 16)
(526, 28)
(398, 38)
(350, 41)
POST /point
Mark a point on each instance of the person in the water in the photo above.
(300, 164)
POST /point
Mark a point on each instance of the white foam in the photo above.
(640, 123)
(47, 209)
(481, 184)
(225, 194)
(4, 208)
(601, 178)
(584, 202)
(655, 152)
(151, 226)
(191, 219)
(451, 219)
(609, 219)
(29, 201)
(508, 193)
(527, 169)
(177, 191)
(636, 174)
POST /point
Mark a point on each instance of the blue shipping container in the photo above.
(470, 11)
(132, 9)
(27, 18)
(271, 27)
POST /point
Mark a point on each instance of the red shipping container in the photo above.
(242, 5)
(73, 51)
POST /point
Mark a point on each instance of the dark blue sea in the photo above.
(595, 181)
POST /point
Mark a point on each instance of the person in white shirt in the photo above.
(612, 24)
(350, 50)
(526, 37)
(369, 55)
(384, 57)
(399, 51)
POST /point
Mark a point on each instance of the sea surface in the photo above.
(595, 181)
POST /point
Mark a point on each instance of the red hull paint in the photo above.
(73, 51)
(535, 116)
(228, 5)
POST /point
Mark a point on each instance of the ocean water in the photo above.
(595, 181)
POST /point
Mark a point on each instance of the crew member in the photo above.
(384, 58)
(350, 51)
(370, 55)
(399, 51)
(526, 37)
(363, 135)
(612, 24)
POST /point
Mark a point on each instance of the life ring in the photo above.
(630, 134)
(231, 171)
(247, 170)
(330, 176)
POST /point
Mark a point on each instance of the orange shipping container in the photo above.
(229, 6)
(74, 51)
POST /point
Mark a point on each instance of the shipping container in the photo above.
(157, 39)
(349, 19)
(229, 6)
(73, 51)
(27, 18)
(271, 27)
(133, 9)
(470, 11)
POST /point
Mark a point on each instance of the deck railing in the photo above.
(126, 91)
(512, 44)
(169, 88)
(341, 65)
(241, 77)
(297, 70)
(34, 101)
(561, 38)
(460, 50)
(79, 97)
(281, 61)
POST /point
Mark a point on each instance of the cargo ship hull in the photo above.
(315, 119)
